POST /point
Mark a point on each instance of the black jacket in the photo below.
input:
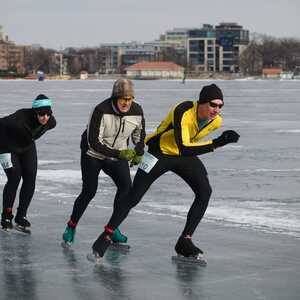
(19, 130)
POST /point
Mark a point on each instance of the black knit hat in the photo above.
(210, 92)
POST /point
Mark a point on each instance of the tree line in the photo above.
(266, 51)
(263, 51)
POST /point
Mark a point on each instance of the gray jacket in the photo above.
(109, 130)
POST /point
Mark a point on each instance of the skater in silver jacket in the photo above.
(105, 146)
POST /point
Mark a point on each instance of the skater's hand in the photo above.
(136, 160)
(228, 136)
(127, 154)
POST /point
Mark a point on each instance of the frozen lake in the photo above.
(251, 229)
(255, 182)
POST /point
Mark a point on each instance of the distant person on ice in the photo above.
(18, 157)
(174, 146)
(105, 146)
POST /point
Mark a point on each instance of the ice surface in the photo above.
(250, 233)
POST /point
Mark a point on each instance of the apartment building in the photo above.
(201, 49)
(215, 49)
(231, 41)
(11, 56)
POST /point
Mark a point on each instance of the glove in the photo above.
(136, 160)
(228, 136)
(127, 154)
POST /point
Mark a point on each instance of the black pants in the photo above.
(25, 167)
(90, 169)
(190, 169)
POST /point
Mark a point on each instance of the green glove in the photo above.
(136, 160)
(127, 154)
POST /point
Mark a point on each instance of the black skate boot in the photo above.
(100, 245)
(22, 224)
(187, 251)
(6, 220)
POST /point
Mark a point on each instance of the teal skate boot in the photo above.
(118, 237)
(119, 240)
(69, 235)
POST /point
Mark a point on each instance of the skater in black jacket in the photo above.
(18, 157)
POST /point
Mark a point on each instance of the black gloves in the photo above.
(228, 136)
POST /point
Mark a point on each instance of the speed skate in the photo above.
(22, 229)
(119, 246)
(198, 260)
(94, 257)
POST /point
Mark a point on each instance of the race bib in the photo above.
(5, 160)
(148, 162)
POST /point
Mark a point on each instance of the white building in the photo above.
(155, 70)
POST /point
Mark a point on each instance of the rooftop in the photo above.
(156, 65)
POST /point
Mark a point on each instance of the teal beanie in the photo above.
(41, 101)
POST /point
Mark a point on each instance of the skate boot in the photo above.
(6, 220)
(187, 251)
(118, 237)
(22, 224)
(119, 241)
(100, 245)
(69, 234)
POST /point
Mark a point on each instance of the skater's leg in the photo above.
(90, 169)
(141, 183)
(120, 174)
(192, 170)
(13, 175)
(28, 161)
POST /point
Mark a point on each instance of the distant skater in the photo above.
(174, 147)
(105, 146)
(18, 157)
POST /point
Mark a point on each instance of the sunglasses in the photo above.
(215, 105)
(124, 100)
(43, 113)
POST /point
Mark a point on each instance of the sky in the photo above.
(79, 23)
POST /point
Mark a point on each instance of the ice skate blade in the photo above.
(22, 229)
(66, 245)
(198, 260)
(92, 257)
(119, 246)
(6, 230)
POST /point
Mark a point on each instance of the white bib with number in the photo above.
(148, 162)
(5, 160)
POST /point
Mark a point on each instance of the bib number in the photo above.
(5, 160)
(148, 162)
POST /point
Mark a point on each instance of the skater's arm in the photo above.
(182, 123)
(139, 135)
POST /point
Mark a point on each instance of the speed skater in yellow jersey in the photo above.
(174, 146)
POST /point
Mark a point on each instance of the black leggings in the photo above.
(25, 167)
(118, 170)
(190, 169)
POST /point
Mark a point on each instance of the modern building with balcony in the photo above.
(232, 40)
(201, 49)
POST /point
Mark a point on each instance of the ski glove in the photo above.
(136, 160)
(127, 154)
(228, 136)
